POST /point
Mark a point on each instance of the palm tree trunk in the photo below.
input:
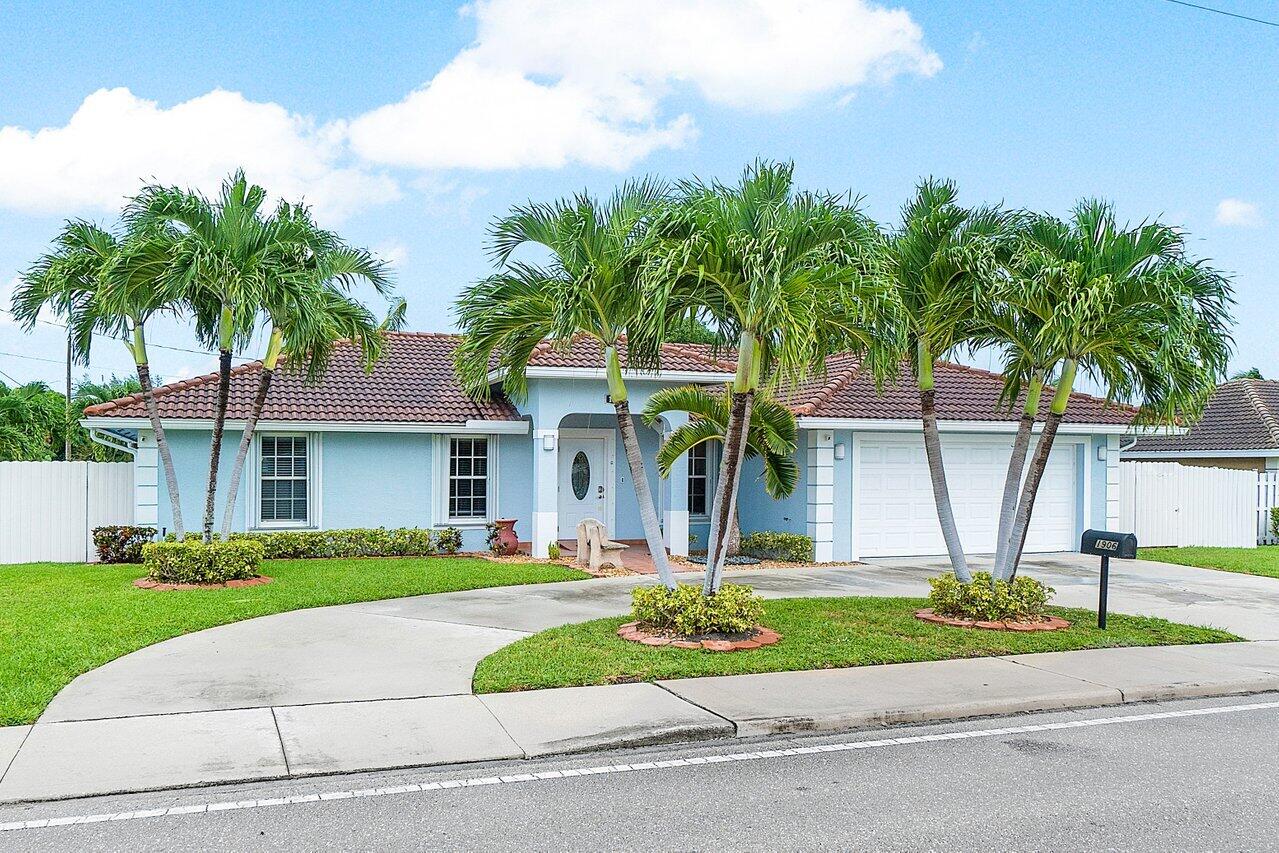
(162, 445)
(1038, 464)
(1012, 482)
(639, 477)
(215, 445)
(242, 453)
(730, 471)
(643, 494)
(733, 545)
(937, 468)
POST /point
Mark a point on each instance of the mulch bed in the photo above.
(1048, 623)
(148, 583)
(760, 636)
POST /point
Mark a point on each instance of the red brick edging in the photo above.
(148, 583)
(1049, 623)
(761, 637)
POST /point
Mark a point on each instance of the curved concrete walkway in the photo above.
(384, 684)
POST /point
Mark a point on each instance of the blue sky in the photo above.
(410, 126)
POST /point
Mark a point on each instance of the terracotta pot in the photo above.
(507, 542)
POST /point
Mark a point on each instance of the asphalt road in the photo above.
(1202, 781)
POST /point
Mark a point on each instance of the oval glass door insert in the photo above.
(581, 475)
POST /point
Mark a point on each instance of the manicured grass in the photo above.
(817, 633)
(1263, 560)
(59, 620)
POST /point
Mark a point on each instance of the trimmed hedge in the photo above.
(1023, 599)
(195, 562)
(774, 545)
(735, 609)
(357, 542)
(121, 543)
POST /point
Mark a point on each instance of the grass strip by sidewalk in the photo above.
(59, 620)
(817, 633)
(1262, 560)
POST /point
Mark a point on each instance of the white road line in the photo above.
(521, 778)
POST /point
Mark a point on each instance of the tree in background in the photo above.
(1250, 373)
(590, 288)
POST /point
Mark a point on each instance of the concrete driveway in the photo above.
(429, 645)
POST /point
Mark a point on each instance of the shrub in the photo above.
(1023, 599)
(775, 545)
(449, 541)
(490, 537)
(735, 609)
(121, 543)
(356, 542)
(1274, 520)
(195, 562)
(553, 550)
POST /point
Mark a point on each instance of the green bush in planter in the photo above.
(735, 609)
(775, 545)
(1022, 599)
(194, 562)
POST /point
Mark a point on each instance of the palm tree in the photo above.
(32, 422)
(1128, 307)
(590, 288)
(942, 261)
(101, 283)
(788, 277)
(772, 435)
(308, 315)
(89, 393)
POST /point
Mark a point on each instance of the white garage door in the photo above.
(894, 512)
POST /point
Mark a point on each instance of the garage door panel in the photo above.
(895, 513)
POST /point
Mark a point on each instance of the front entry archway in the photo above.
(586, 479)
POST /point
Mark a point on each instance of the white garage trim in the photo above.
(1066, 452)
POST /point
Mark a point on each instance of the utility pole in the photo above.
(66, 443)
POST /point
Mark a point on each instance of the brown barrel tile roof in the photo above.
(963, 393)
(1242, 414)
(413, 382)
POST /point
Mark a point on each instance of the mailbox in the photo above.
(1103, 543)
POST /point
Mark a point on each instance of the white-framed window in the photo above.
(699, 480)
(468, 496)
(285, 496)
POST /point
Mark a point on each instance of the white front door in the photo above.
(585, 483)
(894, 512)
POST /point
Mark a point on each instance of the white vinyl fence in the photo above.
(1165, 503)
(48, 509)
(1267, 499)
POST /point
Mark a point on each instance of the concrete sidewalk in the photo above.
(54, 760)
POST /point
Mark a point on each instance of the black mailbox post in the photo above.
(1105, 544)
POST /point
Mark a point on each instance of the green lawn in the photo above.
(1249, 561)
(59, 620)
(817, 633)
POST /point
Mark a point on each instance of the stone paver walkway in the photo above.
(385, 684)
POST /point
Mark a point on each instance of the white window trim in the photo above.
(314, 484)
(712, 454)
(443, 449)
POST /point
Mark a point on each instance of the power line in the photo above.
(1224, 12)
(110, 338)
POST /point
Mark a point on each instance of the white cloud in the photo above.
(115, 141)
(545, 84)
(551, 82)
(1237, 212)
(393, 252)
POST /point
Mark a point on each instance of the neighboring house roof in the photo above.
(1242, 414)
(963, 394)
(414, 383)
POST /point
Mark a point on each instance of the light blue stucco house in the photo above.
(404, 447)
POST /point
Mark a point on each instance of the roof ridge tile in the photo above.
(1262, 408)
